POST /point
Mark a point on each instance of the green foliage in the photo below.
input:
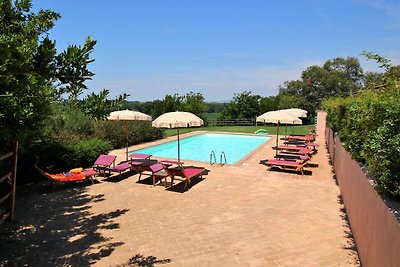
(83, 153)
(138, 132)
(269, 103)
(25, 70)
(61, 156)
(285, 101)
(191, 102)
(369, 125)
(33, 76)
(337, 77)
(195, 104)
(68, 124)
(98, 106)
(214, 107)
(244, 105)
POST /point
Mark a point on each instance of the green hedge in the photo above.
(369, 126)
(138, 132)
(70, 139)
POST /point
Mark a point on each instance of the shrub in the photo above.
(138, 132)
(369, 126)
(85, 152)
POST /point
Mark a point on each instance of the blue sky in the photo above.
(220, 47)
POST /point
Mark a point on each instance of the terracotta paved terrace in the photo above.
(240, 215)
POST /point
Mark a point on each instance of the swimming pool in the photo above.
(199, 147)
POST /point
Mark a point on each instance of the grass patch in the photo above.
(297, 129)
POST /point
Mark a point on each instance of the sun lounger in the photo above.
(290, 157)
(158, 170)
(296, 150)
(306, 138)
(152, 168)
(141, 167)
(285, 164)
(139, 156)
(184, 172)
(301, 144)
(75, 175)
(103, 164)
(120, 168)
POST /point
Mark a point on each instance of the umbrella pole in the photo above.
(126, 135)
(277, 133)
(179, 149)
(286, 132)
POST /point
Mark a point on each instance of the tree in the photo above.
(214, 107)
(194, 103)
(33, 76)
(391, 76)
(244, 105)
(337, 77)
(172, 103)
(286, 101)
(269, 103)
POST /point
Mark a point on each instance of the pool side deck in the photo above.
(239, 215)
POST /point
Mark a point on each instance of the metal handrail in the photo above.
(211, 156)
(222, 154)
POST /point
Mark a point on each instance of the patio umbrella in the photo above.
(177, 119)
(278, 117)
(128, 115)
(301, 113)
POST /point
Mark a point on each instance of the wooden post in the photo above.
(13, 182)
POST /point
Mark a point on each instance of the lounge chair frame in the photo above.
(285, 164)
(185, 172)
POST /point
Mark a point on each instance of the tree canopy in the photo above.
(337, 77)
(33, 76)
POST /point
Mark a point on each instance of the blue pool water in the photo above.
(199, 147)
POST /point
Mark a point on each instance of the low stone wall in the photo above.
(376, 230)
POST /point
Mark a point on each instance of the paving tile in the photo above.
(240, 215)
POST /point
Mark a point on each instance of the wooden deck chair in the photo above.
(305, 138)
(296, 150)
(286, 164)
(152, 168)
(103, 164)
(120, 168)
(186, 173)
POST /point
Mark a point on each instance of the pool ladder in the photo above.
(223, 156)
(213, 158)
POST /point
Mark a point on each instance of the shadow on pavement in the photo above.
(56, 229)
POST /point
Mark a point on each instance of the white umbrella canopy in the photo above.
(128, 115)
(279, 117)
(301, 113)
(177, 119)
